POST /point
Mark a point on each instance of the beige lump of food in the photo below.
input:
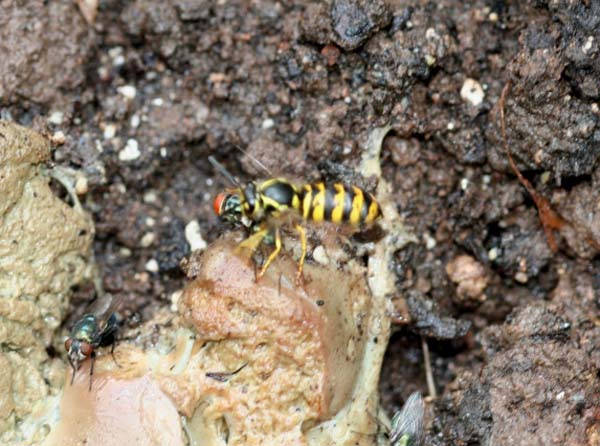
(245, 363)
(45, 249)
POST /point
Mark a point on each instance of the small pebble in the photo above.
(472, 92)
(320, 255)
(115, 51)
(175, 297)
(110, 130)
(125, 252)
(268, 123)
(194, 236)
(521, 277)
(147, 239)
(430, 60)
(81, 185)
(588, 44)
(152, 266)
(430, 242)
(56, 118)
(430, 33)
(158, 102)
(58, 138)
(150, 197)
(135, 121)
(118, 61)
(131, 151)
(470, 277)
(128, 91)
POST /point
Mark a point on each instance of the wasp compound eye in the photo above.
(68, 344)
(219, 202)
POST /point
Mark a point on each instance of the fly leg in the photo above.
(272, 256)
(112, 353)
(93, 359)
(302, 232)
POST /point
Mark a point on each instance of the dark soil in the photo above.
(299, 87)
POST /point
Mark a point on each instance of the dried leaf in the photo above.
(88, 9)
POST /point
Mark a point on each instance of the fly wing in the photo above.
(104, 305)
(407, 424)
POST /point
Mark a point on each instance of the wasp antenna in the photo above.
(223, 171)
(254, 160)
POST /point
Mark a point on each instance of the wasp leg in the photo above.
(302, 232)
(254, 240)
(274, 254)
(93, 359)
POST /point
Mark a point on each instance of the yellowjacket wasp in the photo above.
(257, 203)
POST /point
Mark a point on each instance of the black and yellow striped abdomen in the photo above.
(338, 203)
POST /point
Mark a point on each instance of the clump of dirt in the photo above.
(347, 23)
(45, 46)
(543, 357)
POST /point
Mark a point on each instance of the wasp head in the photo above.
(77, 352)
(228, 207)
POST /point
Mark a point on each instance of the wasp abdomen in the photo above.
(338, 203)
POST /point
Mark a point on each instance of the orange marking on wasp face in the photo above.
(218, 203)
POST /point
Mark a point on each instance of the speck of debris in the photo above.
(194, 236)
(128, 91)
(110, 130)
(151, 266)
(430, 242)
(58, 138)
(56, 118)
(150, 197)
(472, 92)
(131, 151)
(135, 121)
(320, 255)
(81, 185)
(268, 123)
(147, 239)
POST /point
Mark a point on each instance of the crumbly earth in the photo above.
(154, 87)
